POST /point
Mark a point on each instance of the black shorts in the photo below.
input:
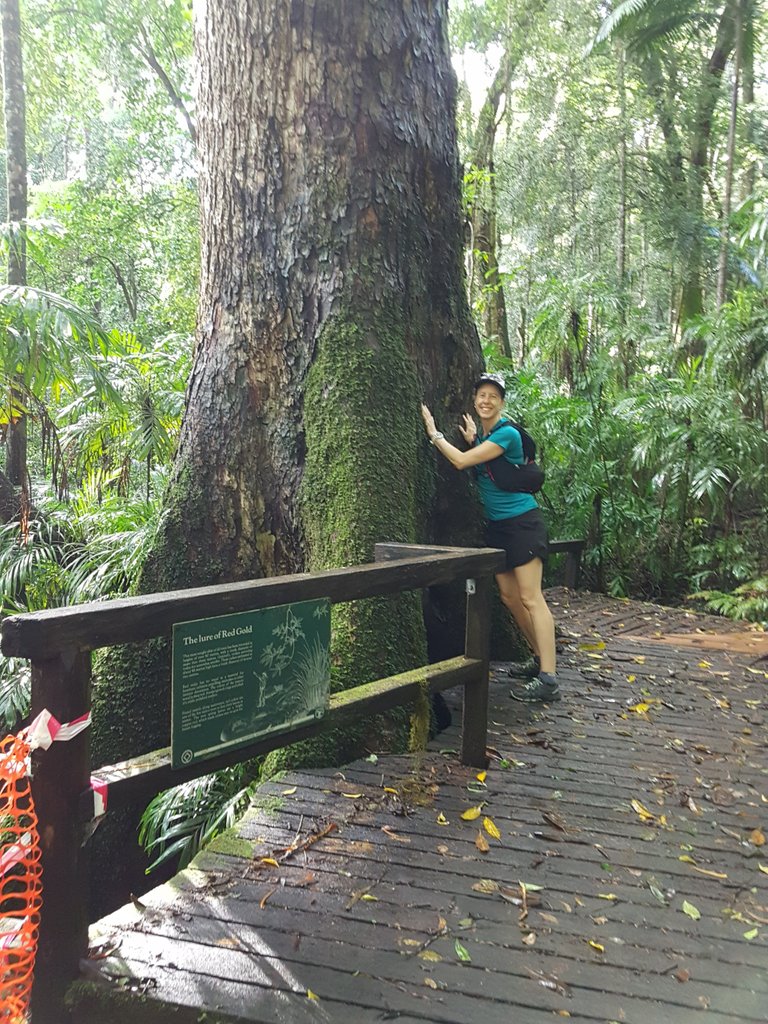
(522, 537)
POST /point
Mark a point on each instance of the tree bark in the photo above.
(331, 302)
(16, 177)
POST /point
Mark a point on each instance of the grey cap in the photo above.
(492, 378)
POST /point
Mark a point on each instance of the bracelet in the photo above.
(436, 437)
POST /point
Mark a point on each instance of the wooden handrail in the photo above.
(130, 619)
(58, 643)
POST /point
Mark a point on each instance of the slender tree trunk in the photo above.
(722, 268)
(692, 303)
(748, 97)
(16, 175)
(486, 284)
(625, 342)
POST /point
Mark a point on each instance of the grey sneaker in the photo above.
(525, 669)
(543, 689)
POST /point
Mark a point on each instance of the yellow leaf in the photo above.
(757, 838)
(481, 776)
(352, 796)
(763, 868)
(388, 789)
(430, 956)
(369, 896)
(269, 860)
(596, 945)
(686, 859)
(472, 812)
(705, 664)
(481, 843)
(710, 874)
(490, 827)
(430, 983)
(311, 995)
(643, 812)
(442, 820)
(599, 646)
(607, 896)
(640, 708)
(289, 792)
(631, 679)
(410, 942)
(639, 659)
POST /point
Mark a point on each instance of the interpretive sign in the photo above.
(236, 678)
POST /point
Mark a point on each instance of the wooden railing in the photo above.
(59, 642)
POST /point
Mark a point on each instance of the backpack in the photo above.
(525, 479)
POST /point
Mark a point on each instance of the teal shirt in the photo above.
(500, 504)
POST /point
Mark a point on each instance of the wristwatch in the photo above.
(436, 436)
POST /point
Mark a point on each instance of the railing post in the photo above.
(476, 645)
(59, 776)
(572, 568)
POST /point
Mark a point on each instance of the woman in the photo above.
(514, 523)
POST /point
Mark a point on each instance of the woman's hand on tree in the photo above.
(468, 429)
(429, 420)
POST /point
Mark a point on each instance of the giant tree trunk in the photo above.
(331, 303)
(16, 178)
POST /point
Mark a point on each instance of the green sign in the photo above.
(239, 677)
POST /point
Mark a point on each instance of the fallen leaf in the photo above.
(430, 956)
(643, 812)
(481, 843)
(442, 820)
(481, 776)
(631, 679)
(530, 938)
(607, 896)
(369, 897)
(763, 868)
(264, 898)
(410, 942)
(486, 885)
(639, 659)
(490, 827)
(658, 894)
(705, 664)
(682, 975)
(311, 995)
(389, 789)
(430, 983)
(549, 918)
(270, 861)
(462, 953)
(289, 792)
(757, 837)
(352, 796)
(602, 919)
(472, 812)
(751, 934)
(686, 859)
(442, 850)
(691, 911)
(640, 708)
(596, 945)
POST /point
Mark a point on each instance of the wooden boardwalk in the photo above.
(629, 882)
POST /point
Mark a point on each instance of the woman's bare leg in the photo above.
(528, 578)
(509, 591)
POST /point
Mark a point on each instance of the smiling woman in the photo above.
(513, 523)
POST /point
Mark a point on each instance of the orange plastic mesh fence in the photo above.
(20, 881)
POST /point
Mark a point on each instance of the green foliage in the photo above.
(180, 821)
(748, 601)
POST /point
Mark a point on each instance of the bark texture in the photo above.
(331, 267)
